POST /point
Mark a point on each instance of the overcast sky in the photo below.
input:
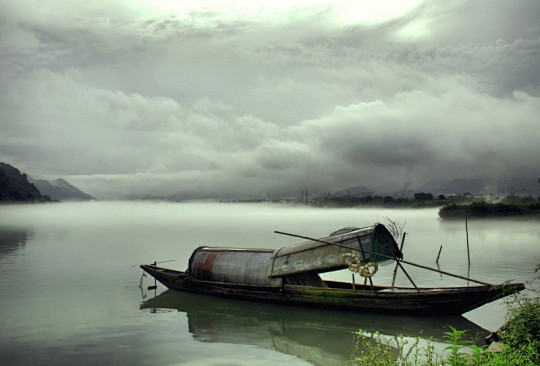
(123, 97)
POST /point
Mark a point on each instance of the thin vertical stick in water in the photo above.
(467, 234)
(438, 255)
(439, 268)
(437, 260)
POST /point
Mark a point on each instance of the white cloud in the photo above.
(460, 130)
(205, 102)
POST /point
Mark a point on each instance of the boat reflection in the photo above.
(319, 336)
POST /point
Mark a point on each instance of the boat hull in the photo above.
(448, 300)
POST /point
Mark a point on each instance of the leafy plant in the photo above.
(456, 347)
(370, 350)
(520, 342)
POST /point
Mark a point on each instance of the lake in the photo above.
(71, 290)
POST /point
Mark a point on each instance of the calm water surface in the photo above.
(70, 294)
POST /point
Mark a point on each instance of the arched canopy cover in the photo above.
(321, 257)
(230, 265)
(268, 267)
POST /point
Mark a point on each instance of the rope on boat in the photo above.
(142, 280)
(364, 269)
(149, 287)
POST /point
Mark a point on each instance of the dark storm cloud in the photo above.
(206, 103)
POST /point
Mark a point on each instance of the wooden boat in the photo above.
(290, 275)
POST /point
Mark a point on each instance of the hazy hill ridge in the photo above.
(15, 187)
(523, 186)
(59, 189)
(514, 185)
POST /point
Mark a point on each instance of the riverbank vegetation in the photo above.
(450, 207)
(517, 343)
(510, 206)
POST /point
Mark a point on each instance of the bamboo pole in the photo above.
(407, 274)
(397, 263)
(385, 256)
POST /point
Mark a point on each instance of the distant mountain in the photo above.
(515, 185)
(61, 190)
(15, 187)
(432, 186)
(456, 186)
(524, 186)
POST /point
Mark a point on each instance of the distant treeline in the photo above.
(451, 208)
(520, 207)
(420, 200)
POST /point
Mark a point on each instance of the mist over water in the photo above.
(69, 279)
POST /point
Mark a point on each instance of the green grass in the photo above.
(520, 341)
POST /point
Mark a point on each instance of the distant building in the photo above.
(459, 197)
(304, 197)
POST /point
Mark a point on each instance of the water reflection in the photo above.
(12, 241)
(321, 337)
